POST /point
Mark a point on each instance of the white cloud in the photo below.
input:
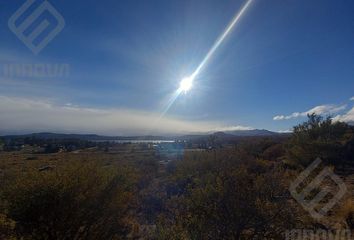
(279, 117)
(320, 110)
(285, 131)
(347, 117)
(352, 98)
(21, 115)
(232, 128)
(326, 109)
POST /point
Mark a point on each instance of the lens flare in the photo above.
(222, 38)
(187, 82)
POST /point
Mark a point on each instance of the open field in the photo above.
(226, 190)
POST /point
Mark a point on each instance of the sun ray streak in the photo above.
(222, 38)
(170, 102)
(210, 53)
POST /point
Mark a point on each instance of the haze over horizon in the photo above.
(282, 61)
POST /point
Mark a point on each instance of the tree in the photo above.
(2, 143)
(321, 138)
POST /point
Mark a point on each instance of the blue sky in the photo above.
(283, 59)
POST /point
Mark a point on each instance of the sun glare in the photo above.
(186, 84)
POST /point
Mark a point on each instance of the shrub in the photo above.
(229, 199)
(77, 201)
(321, 138)
(346, 213)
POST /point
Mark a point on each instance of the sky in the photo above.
(121, 62)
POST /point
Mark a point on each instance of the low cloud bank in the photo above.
(21, 115)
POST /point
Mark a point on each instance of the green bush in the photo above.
(321, 138)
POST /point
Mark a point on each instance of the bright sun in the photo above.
(186, 84)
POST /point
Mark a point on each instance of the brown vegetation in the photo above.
(237, 192)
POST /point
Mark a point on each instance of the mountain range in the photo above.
(95, 137)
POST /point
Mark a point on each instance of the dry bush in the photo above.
(228, 198)
(79, 200)
(346, 213)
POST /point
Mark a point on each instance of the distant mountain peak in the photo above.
(253, 132)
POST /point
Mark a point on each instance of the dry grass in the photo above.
(346, 213)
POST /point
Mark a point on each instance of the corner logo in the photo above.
(32, 30)
(319, 205)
